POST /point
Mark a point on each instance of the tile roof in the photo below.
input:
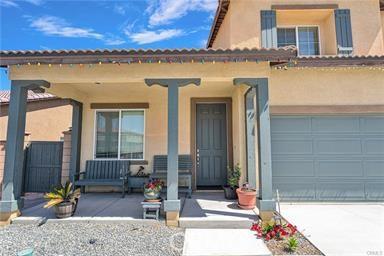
(282, 54)
(32, 96)
(334, 61)
(221, 11)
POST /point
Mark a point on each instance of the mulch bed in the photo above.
(277, 247)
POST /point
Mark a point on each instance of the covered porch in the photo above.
(168, 89)
(203, 210)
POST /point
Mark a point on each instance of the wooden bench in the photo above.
(160, 166)
(104, 173)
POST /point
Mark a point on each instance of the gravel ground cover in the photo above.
(277, 247)
(92, 239)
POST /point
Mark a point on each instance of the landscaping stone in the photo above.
(92, 239)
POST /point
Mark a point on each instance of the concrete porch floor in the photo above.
(212, 210)
(203, 210)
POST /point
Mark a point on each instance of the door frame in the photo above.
(228, 107)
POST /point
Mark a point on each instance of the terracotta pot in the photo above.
(247, 198)
(64, 210)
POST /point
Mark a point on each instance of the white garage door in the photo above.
(329, 158)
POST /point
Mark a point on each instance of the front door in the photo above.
(211, 145)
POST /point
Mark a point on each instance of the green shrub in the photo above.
(234, 176)
(292, 244)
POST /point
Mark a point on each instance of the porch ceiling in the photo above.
(136, 73)
(118, 92)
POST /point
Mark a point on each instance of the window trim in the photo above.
(119, 135)
(296, 27)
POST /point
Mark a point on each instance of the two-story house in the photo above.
(293, 91)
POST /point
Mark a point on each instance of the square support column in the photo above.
(172, 203)
(265, 203)
(77, 113)
(11, 202)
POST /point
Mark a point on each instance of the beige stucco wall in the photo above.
(241, 27)
(327, 87)
(46, 120)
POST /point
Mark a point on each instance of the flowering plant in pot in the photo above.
(152, 189)
(246, 197)
(64, 199)
(233, 182)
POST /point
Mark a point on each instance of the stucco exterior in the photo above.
(46, 120)
(241, 26)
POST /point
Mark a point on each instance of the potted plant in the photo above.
(233, 182)
(152, 190)
(64, 199)
(247, 197)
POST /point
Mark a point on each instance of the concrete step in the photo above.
(211, 223)
(225, 242)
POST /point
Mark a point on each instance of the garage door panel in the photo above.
(292, 168)
(284, 146)
(374, 168)
(374, 190)
(291, 125)
(338, 146)
(296, 191)
(342, 158)
(372, 124)
(374, 146)
(335, 124)
(340, 168)
(340, 191)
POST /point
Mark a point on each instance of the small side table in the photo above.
(151, 209)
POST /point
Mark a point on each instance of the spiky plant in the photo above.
(292, 244)
(61, 194)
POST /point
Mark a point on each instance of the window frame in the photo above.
(119, 134)
(296, 27)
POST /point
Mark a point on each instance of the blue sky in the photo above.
(90, 24)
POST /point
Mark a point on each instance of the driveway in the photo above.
(340, 229)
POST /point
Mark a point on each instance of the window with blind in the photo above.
(119, 134)
(305, 38)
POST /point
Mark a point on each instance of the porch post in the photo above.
(265, 202)
(77, 113)
(11, 202)
(172, 203)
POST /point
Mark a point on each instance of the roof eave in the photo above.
(149, 56)
(221, 11)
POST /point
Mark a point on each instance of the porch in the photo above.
(161, 106)
(203, 210)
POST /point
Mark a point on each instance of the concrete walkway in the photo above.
(224, 242)
(340, 229)
(212, 210)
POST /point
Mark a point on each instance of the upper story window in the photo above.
(306, 39)
(119, 134)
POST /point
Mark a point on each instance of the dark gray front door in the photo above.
(43, 165)
(211, 145)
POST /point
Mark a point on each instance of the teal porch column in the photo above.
(77, 113)
(172, 203)
(11, 203)
(265, 202)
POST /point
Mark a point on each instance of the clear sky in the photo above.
(92, 24)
